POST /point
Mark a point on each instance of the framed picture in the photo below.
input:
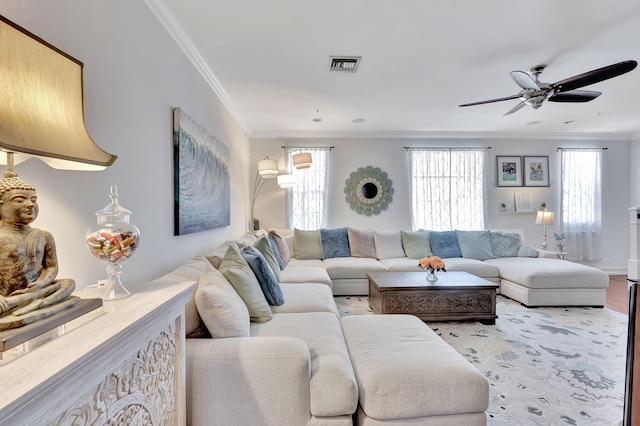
(536, 170)
(523, 201)
(202, 183)
(509, 170)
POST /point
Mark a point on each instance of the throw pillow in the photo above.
(335, 243)
(220, 307)
(239, 273)
(527, 251)
(444, 244)
(265, 248)
(307, 244)
(505, 244)
(388, 244)
(264, 274)
(276, 251)
(475, 244)
(215, 257)
(416, 244)
(362, 242)
(283, 247)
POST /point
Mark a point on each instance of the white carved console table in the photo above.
(120, 364)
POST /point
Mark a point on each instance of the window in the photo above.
(307, 199)
(581, 202)
(447, 188)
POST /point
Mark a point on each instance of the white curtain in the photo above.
(448, 188)
(306, 202)
(581, 207)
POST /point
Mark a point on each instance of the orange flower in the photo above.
(432, 263)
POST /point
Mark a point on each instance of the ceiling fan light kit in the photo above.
(534, 92)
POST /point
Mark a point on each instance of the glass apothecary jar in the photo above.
(113, 240)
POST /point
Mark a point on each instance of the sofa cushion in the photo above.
(220, 307)
(475, 244)
(265, 248)
(276, 252)
(400, 264)
(351, 267)
(416, 244)
(307, 244)
(263, 272)
(362, 242)
(444, 244)
(239, 273)
(388, 244)
(479, 268)
(505, 244)
(335, 243)
(191, 270)
(549, 273)
(305, 274)
(283, 247)
(334, 391)
(301, 297)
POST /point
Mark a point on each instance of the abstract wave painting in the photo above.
(202, 187)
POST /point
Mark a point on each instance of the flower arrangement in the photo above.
(559, 241)
(432, 263)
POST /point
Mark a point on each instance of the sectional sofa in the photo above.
(266, 344)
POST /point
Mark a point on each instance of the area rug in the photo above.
(545, 366)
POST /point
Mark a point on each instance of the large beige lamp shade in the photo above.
(302, 160)
(268, 168)
(41, 109)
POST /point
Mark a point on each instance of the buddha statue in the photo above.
(29, 290)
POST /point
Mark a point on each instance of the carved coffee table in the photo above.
(455, 296)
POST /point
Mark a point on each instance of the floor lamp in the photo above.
(544, 218)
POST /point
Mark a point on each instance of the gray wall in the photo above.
(389, 155)
(134, 74)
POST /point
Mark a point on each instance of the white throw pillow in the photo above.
(222, 310)
(389, 244)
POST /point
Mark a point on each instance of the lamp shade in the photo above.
(544, 217)
(42, 106)
(286, 181)
(268, 168)
(302, 160)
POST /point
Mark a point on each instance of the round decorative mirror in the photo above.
(368, 190)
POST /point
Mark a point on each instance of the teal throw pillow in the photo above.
(264, 274)
(527, 251)
(335, 243)
(416, 244)
(306, 244)
(475, 244)
(444, 244)
(238, 272)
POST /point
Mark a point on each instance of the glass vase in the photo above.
(113, 240)
(431, 276)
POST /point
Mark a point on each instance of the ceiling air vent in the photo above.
(345, 63)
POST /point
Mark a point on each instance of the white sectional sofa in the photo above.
(251, 359)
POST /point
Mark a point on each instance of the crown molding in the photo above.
(173, 27)
(266, 134)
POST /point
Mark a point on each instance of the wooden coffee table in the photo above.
(455, 296)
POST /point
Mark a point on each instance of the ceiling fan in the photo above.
(534, 92)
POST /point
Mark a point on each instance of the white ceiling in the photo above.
(269, 62)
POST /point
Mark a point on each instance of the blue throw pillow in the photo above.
(475, 244)
(444, 244)
(276, 251)
(335, 242)
(264, 274)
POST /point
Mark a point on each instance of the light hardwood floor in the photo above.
(618, 294)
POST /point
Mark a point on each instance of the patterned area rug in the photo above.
(545, 366)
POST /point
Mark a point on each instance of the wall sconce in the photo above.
(544, 218)
(268, 169)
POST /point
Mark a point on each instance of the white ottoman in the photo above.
(408, 375)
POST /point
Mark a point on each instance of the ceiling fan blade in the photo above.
(594, 76)
(574, 96)
(524, 80)
(514, 109)
(508, 98)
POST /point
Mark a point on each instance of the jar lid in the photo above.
(113, 212)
